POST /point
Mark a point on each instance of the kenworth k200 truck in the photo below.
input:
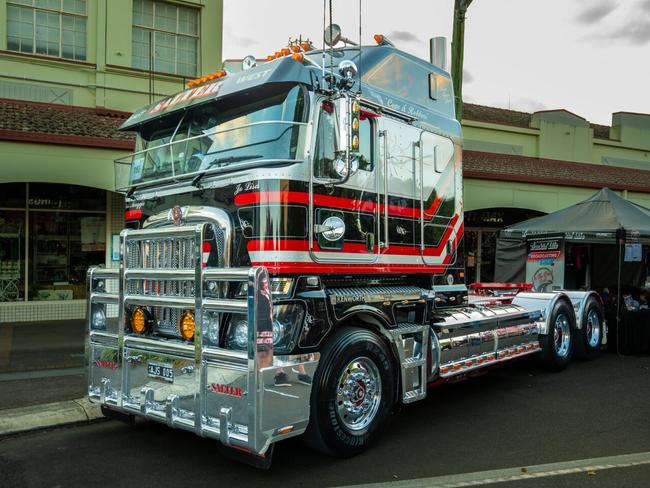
(292, 259)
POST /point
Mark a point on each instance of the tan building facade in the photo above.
(71, 72)
(520, 165)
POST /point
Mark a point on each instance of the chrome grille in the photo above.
(161, 253)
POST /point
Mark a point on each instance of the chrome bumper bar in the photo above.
(215, 392)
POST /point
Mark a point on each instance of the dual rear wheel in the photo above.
(563, 340)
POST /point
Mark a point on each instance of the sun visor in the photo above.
(284, 70)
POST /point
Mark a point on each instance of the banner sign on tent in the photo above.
(545, 264)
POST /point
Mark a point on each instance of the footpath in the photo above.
(43, 376)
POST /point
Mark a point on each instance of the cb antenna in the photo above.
(359, 46)
(331, 29)
(324, 32)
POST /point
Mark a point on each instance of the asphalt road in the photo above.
(41, 346)
(515, 417)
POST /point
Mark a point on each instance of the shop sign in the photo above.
(53, 203)
(545, 264)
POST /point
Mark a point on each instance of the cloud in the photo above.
(521, 104)
(635, 31)
(242, 41)
(596, 11)
(467, 77)
(527, 105)
(404, 36)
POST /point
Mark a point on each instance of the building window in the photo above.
(167, 34)
(49, 235)
(49, 27)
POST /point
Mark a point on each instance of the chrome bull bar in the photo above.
(215, 392)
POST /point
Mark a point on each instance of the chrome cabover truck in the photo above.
(292, 258)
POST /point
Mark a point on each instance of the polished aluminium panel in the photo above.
(542, 302)
(474, 338)
(410, 341)
(579, 300)
(104, 378)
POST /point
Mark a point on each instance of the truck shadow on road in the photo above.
(514, 416)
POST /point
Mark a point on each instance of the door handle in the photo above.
(384, 135)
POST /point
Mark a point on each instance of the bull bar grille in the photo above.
(199, 366)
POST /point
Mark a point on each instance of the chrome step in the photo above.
(411, 343)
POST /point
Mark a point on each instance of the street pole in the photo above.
(457, 47)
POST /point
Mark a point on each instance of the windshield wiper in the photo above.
(196, 181)
(233, 159)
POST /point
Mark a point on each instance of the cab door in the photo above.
(344, 210)
(400, 225)
(437, 184)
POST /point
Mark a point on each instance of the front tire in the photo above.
(352, 395)
(557, 344)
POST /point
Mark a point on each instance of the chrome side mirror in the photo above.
(347, 125)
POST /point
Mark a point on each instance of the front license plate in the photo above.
(164, 371)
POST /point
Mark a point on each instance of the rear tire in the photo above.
(557, 344)
(589, 339)
(352, 395)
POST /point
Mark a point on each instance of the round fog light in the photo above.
(138, 321)
(187, 325)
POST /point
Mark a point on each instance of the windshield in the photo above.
(262, 125)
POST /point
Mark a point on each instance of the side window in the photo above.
(325, 142)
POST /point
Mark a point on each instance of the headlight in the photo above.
(287, 319)
(238, 335)
(98, 318)
(211, 321)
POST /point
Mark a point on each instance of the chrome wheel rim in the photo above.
(593, 328)
(358, 394)
(562, 336)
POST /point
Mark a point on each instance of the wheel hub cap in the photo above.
(358, 394)
(593, 329)
(562, 336)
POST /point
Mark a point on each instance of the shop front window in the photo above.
(63, 246)
(12, 255)
(49, 236)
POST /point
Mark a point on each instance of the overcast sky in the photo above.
(591, 57)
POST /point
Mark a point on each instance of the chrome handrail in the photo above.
(210, 133)
(211, 171)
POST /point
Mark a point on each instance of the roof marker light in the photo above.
(382, 40)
